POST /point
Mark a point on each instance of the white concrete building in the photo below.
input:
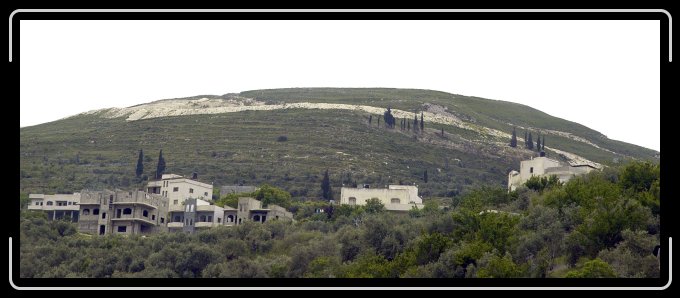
(57, 206)
(178, 188)
(543, 166)
(395, 197)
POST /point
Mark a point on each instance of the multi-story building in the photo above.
(195, 214)
(179, 188)
(122, 212)
(57, 206)
(95, 210)
(160, 208)
(251, 209)
(395, 197)
(543, 166)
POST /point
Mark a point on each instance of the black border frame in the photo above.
(665, 67)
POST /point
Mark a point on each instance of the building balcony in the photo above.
(206, 208)
(176, 208)
(135, 203)
(205, 224)
(34, 207)
(133, 218)
(175, 225)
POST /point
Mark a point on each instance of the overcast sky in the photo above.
(602, 74)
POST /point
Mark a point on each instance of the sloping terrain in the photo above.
(236, 138)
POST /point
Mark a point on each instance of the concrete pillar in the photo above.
(54, 214)
(71, 215)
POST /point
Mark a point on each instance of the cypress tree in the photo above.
(370, 118)
(526, 140)
(326, 187)
(140, 165)
(422, 122)
(538, 144)
(543, 144)
(378, 122)
(513, 141)
(425, 176)
(415, 123)
(442, 131)
(160, 169)
(408, 125)
(530, 143)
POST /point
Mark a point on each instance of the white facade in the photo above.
(57, 206)
(543, 166)
(178, 188)
(395, 197)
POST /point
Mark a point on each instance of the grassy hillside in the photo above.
(88, 151)
(497, 114)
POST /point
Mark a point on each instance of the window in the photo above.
(86, 211)
(209, 218)
(153, 217)
(205, 194)
(41, 203)
(174, 202)
(95, 211)
(103, 214)
(186, 221)
(177, 218)
(70, 202)
(187, 208)
(145, 213)
(230, 218)
(127, 211)
(531, 170)
(122, 229)
(191, 190)
(110, 199)
(175, 189)
(395, 201)
(256, 218)
(37, 203)
(191, 222)
(192, 208)
(162, 220)
(50, 203)
(352, 201)
(219, 220)
(202, 219)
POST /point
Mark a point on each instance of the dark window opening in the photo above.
(103, 214)
(122, 229)
(127, 211)
(145, 213)
(95, 211)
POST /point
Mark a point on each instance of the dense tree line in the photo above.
(604, 224)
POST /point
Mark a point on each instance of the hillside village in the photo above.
(412, 195)
(175, 203)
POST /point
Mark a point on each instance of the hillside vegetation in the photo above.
(604, 224)
(291, 148)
